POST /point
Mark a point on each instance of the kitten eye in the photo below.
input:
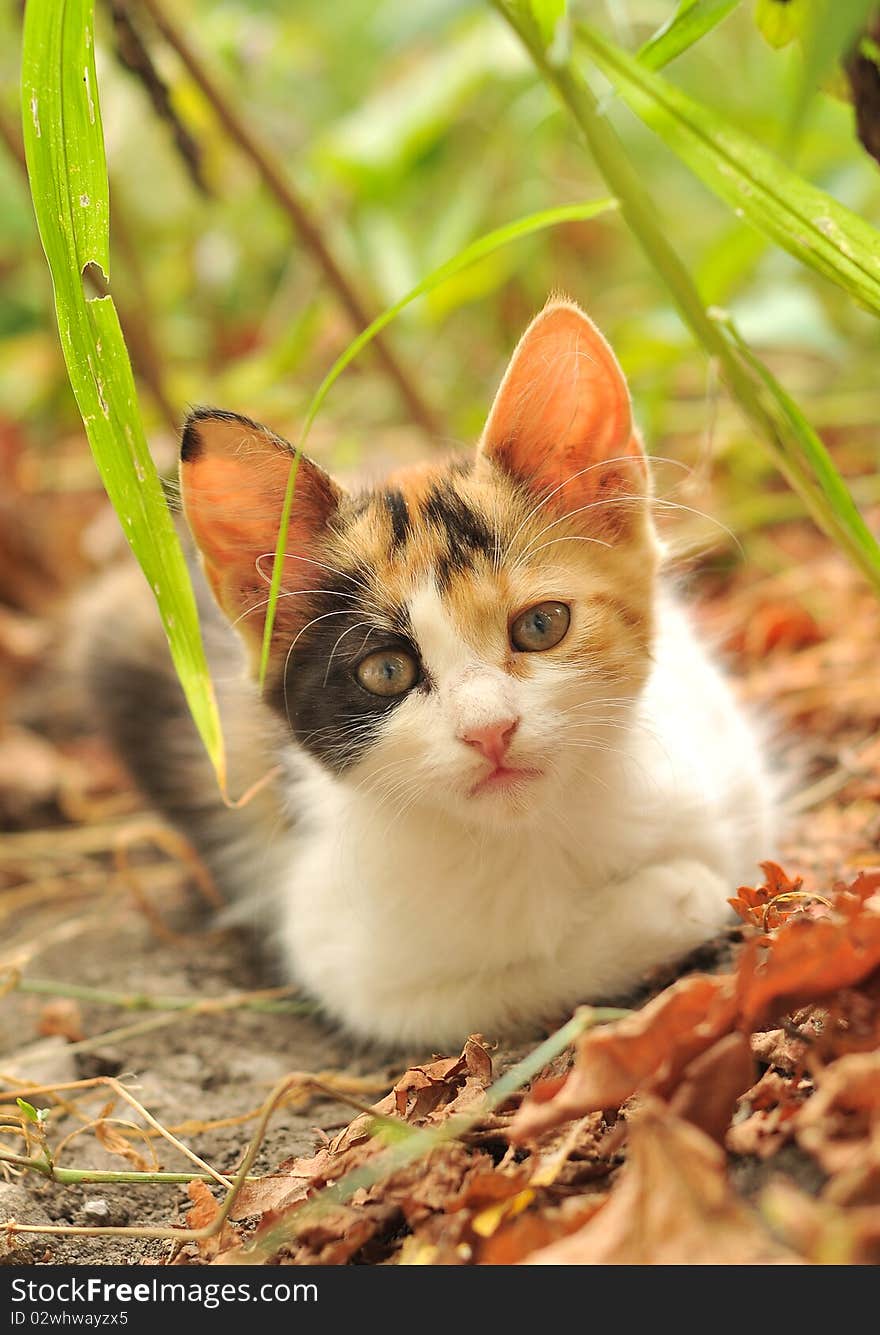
(388, 672)
(541, 627)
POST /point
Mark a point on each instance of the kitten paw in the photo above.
(701, 900)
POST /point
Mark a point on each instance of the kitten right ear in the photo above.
(233, 477)
(561, 424)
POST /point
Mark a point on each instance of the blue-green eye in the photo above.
(388, 672)
(541, 627)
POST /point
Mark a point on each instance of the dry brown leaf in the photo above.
(63, 1017)
(433, 1092)
(201, 1214)
(840, 1125)
(712, 1084)
(521, 1237)
(425, 1095)
(851, 1021)
(782, 1050)
(334, 1237)
(290, 1182)
(769, 905)
(774, 1103)
(646, 1051)
(452, 1178)
(783, 624)
(671, 1205)
(492, 1218)
(204, 1209)
(809, 958)
(116, 1143)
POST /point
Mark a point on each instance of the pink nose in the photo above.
(493, 739)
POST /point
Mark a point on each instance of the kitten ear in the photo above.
(561, 424)
(233, 477)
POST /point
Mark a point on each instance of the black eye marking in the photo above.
(315, 690)
(398, 513)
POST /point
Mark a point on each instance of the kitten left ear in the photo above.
(233, 479)
(561, 424)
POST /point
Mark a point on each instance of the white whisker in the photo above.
(291, 593)
(339, 640)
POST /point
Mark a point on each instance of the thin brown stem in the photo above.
(134, 55)
(298, 211)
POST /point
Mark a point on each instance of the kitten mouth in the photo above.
(504, 778)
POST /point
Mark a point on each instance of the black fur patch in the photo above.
(467, 533)
(464, 527)
(191, 441)
(328, 711)
(398, 513)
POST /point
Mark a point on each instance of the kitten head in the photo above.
(466, 634)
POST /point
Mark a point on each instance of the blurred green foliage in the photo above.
(412, 130)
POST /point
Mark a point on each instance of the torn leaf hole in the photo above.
(94, 281)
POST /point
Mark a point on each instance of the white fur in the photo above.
(418, 913)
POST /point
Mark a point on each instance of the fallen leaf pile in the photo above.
(658, 1141)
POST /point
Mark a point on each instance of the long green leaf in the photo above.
(798, 216)
(691, 21)
(472, 254)
(781, 427)
(64, 143)
(803, 459)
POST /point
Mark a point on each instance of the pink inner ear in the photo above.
(233, 483)
(234, 509)
(563, 411)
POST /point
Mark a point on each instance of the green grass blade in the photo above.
(803, 459)
(691, 21)
(472, 254)
(779, 424)
(64, 144)
(799, 217)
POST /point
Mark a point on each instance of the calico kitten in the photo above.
(512, 780)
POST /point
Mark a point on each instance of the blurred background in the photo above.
(402, 132)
